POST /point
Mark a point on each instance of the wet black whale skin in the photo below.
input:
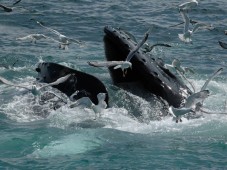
(86, 84)
(154, 77)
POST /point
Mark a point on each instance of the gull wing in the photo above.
(158, 44)
(84, 101)
(4, 81)
(199, 25)
(186, 21)
(211, 77)
(196, 97)
(188, 5)
(50, 29)
(58, 81)
(104, 63)
(76, 41)
(132, 53)
(222, 44)
(25, 37)
(179, 111)
(182, 75)
(5, 8)
(16, 2)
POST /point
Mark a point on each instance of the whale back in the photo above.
(80, 83)
(154, 77)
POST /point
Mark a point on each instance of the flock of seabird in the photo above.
(191, 104)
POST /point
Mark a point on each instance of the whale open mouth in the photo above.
(145, 70)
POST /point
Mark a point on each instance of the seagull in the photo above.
(33, 37)
(195, 98)
(34, 89)
(222, 44)
(124, 65)
(188, 5)
(176, 64)
(178, 112)
(86, 101)
(198, 104)
(225, 32)
(149, 48)
(117, 64)
(187, 34)
(64, 41)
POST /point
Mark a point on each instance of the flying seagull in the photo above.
(187, 34)
(149, 48)
(179, 112)
(176, 64)
(34, 89)
(86, 101)
(124, 65)
(195, 98)
(33, 37)
(64, 41)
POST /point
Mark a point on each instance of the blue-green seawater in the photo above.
(70, 138)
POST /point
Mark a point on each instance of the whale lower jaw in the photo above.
(155, 78)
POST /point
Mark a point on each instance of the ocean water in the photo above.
(70, 138)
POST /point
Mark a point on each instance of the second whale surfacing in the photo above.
(79, 84)
(146, 71)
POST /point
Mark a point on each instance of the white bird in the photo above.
(195, 98)
(33, 37)
(188, 5)
(64, 41)
(187, 34)
(176, 65)
(116, 64)
(124, 65)
(34, 89)
(86, 101)
(149, 48)
(222, 44)
(179, 112)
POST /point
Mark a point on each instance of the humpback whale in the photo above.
(78, 85)
(146, 71)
